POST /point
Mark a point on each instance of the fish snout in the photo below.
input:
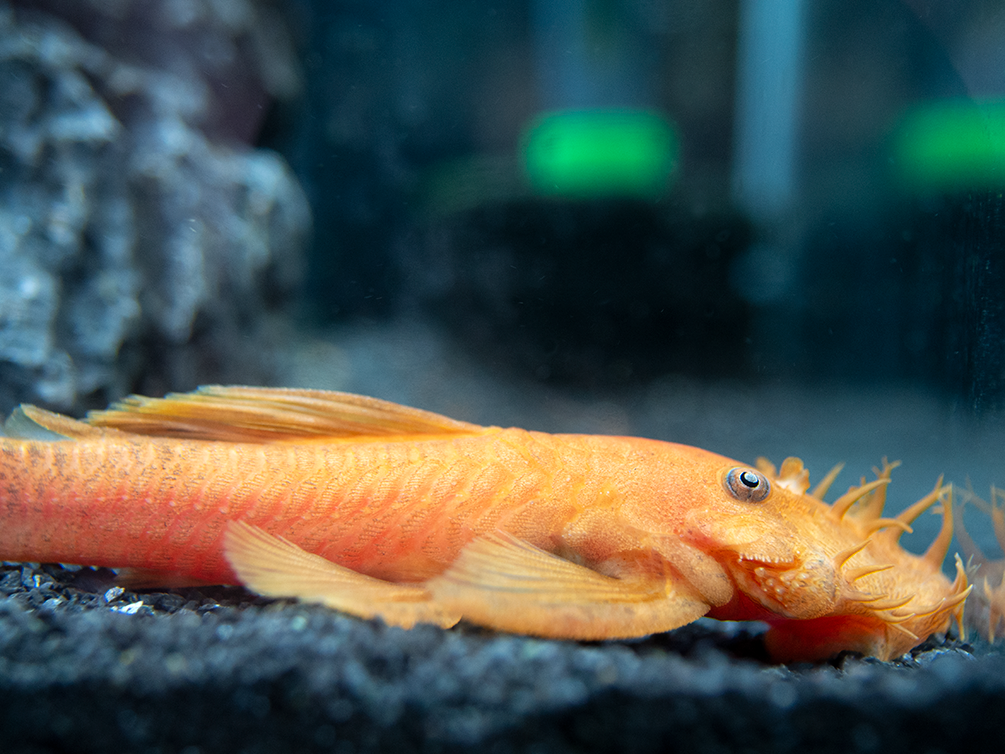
(801, 589)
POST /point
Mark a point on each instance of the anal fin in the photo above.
(505, 583)
(275, 567)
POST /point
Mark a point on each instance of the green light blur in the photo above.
(594, 153)
(958, 144)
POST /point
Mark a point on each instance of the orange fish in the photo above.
(384, 511)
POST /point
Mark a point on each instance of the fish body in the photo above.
(380, 510)
(398, 509)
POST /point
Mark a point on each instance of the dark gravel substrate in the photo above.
(86, 669)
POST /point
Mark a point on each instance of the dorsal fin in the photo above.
(263, 415)
(27, 422)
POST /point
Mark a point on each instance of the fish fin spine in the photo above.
(263, 415)
(27, 422)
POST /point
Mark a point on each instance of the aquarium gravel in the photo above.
(87, 666)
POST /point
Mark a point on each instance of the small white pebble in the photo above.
(131, 609)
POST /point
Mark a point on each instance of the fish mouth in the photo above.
(771, 571)
(797, 588)
(817, 586)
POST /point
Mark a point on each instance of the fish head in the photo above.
(762, 531)
(825, 576)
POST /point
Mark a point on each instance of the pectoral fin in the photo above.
(274, 567)
(497, 581)
(508, 584)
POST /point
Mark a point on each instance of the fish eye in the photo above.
(747, 485)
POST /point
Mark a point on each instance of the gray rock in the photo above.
(124, 217)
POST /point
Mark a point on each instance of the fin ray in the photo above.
(274, 567)
(27, 422)
(508, 584)
(262, 415)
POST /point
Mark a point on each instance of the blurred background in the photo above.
(766, 227)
